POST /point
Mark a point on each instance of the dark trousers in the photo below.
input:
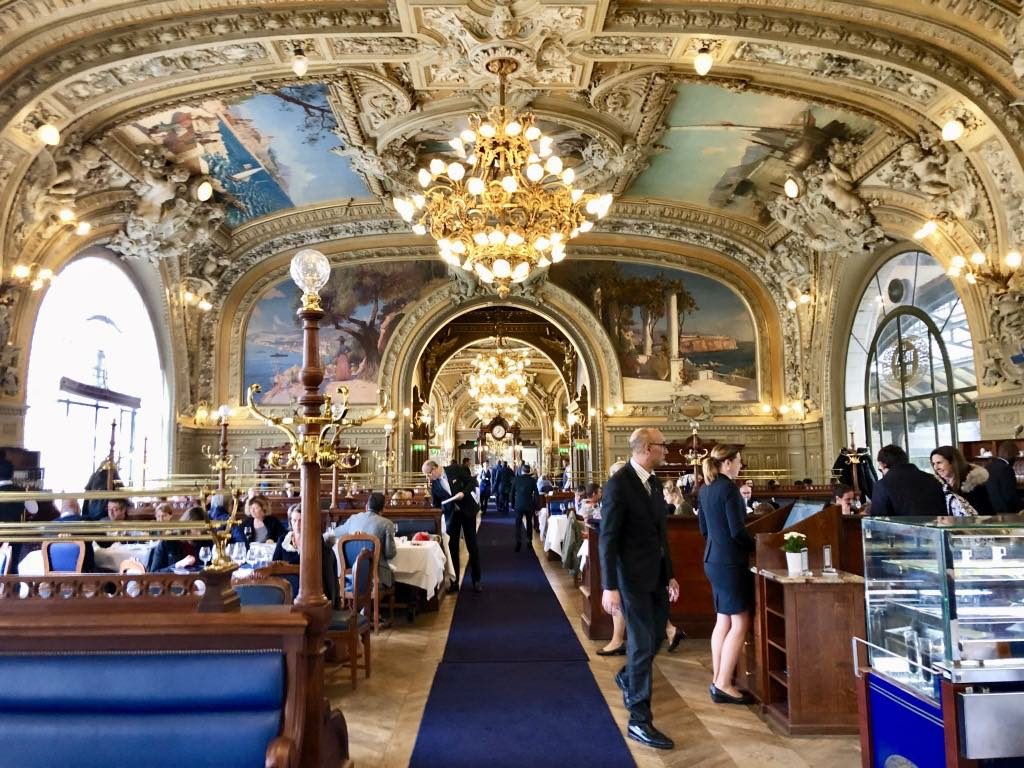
(646, 614)
(465, 523)
(502, 503)
(524, 522)
(485, 495)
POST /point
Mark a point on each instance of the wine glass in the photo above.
(252, 557)
(205, 554)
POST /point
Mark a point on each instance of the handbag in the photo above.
(957, 505)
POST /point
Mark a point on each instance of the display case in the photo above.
(944, 601)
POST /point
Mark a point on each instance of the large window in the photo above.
(910, 376)
(94, 329)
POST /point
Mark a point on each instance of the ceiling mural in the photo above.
(362, 306)
(715, 355)
(267, 152)
(733, 150)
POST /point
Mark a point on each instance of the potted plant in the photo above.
(793, 545)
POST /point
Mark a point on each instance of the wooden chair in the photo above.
(256, 589)
(346, 549)
(349, 625)
(63, 557)
(277, 568)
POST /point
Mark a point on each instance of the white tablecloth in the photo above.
(421, 564)
(110, 558)
(557, 525)
(32, 564)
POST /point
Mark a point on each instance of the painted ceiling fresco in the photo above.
(732, 151)
(267, 152)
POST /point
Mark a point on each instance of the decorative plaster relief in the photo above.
(378, 46)
(1005, 170)
(833, 66)
(194, 62)
(619, 46)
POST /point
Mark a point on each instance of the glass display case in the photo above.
(946, 593)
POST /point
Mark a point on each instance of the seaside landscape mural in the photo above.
(363, 305)
(732, 151)
(717, 342)
(266, 152)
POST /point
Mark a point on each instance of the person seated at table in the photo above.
(374, 523)
(164, 512)
(171, 553)
(289, 550)
(117, 511)
(589, 506)
(747, 494)
(844, 497)
(544, 484)
(674, 498)
(221, 506)
(402, 497)
(259, 525)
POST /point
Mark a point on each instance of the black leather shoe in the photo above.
(620, 651)
(676, 640)
(650, 736)
(721, 697)
(477, 587)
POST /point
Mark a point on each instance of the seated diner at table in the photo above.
(258, 526)
(289, 550)
(170, 554)
(372, 522)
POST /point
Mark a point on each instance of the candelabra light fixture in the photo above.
(32, 275)
(499, 383)
(695, 455)
(979, 268)
(504, 206)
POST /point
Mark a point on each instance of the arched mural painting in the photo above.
(363, 304)
(717, 349)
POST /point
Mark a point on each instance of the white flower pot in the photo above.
(794, 563)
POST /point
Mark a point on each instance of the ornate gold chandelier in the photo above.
(505, 207)
(499, 383)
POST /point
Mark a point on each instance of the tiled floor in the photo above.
(384, 712)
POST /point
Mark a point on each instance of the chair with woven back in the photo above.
(346, 549)
(350, 625)
(63, 557)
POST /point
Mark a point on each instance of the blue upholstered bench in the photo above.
(158, 709)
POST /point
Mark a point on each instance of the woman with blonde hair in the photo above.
(722, 519)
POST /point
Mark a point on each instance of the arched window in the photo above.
(910, 376)
(94, 329)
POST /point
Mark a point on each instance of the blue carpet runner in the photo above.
(514, 687)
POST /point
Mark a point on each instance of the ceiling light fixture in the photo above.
(83, 228)
(953, 129)
(49, 134)
(792, 187)
(203, 190)
(703, 61)
(506, 206)
(300, 64)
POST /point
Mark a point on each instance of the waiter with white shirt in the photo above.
(451, 490)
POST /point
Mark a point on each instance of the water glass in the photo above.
(205, 555)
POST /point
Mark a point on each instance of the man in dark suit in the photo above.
(636, 571)
(452, 491)
(904, 490)
(506, 478)
(13, 511)
(524, 504)
(1002, 480)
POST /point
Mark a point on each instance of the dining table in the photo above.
(555, 533)
(422, 564)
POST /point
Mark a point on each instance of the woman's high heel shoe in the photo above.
(620, 651)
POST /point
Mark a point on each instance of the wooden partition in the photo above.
(694, 612)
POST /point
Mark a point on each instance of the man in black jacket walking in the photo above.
(524, 504)
(1002, 480)
(636, 574)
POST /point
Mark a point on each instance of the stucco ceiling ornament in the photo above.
(1004, 348)
(1003, 167)
(167, 222)
(1017, 47)
(830, 216)
(834, 66)
(531, 36)
(58, 179)
(10, 376)
(925, 166)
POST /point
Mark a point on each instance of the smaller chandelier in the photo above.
(499, 383)
(507, 206)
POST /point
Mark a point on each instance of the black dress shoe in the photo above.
(620, 651)
(721, 697)
(647, 734)
(477, 587)
(676, 640)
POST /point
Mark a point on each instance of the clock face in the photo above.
(497, 431)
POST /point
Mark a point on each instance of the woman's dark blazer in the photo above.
(723, 523)
(245, 531)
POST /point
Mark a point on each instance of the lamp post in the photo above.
(389, 429)
(313, 445)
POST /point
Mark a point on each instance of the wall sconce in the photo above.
(793, 187)
(978, 268)
(201, 188)
(927, 229)
(953, 129)
(300, 64)
(703, 61)
(192, 298)
(206, 416)
(49, 134)
(610, 410)
(32, 275)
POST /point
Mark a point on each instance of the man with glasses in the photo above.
(636, 571)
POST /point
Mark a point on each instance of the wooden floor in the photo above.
(384, 712)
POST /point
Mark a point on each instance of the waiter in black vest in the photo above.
(636, 571)
(451, 490)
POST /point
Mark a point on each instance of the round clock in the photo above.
(498, 431)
